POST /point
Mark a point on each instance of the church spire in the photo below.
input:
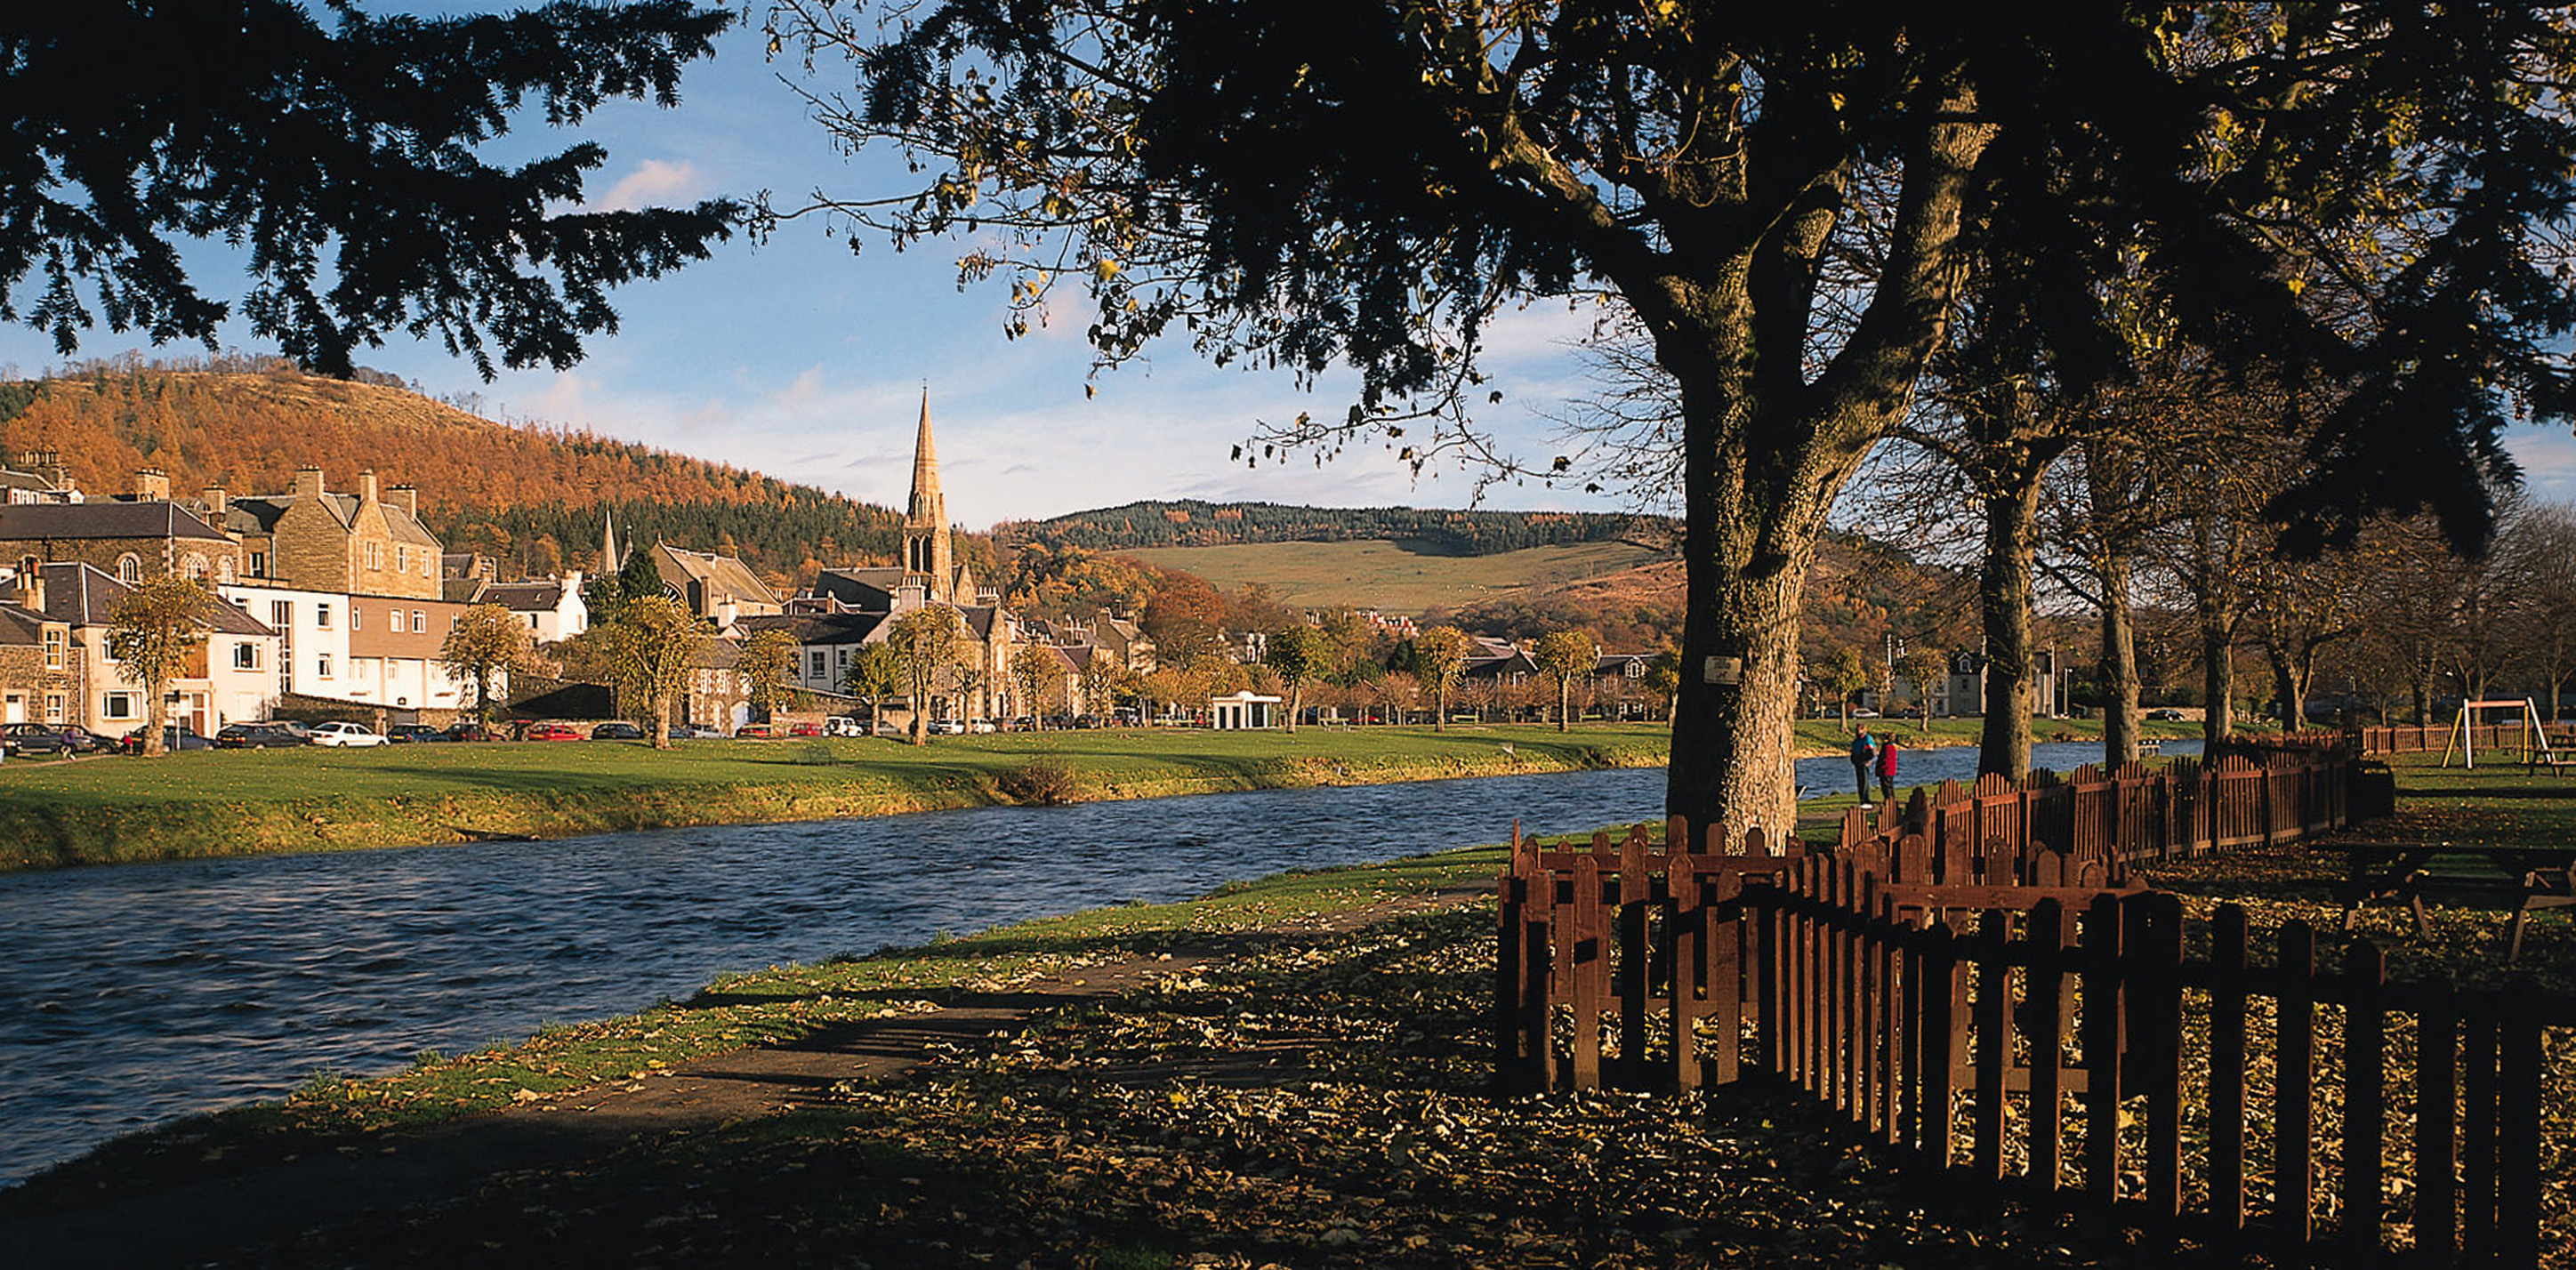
(925, 523)
(608, 562)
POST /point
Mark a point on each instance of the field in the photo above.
(1394, 577)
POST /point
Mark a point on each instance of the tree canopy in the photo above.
(1788, 201)
(134, 125)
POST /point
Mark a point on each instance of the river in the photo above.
(142, 992)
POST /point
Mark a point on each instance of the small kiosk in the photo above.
(1241, 711)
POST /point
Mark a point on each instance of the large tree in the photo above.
(487, 640)
(925, 642)
(1439, 657)
(654, 645)
(768, 668)
(342, 161)
(1368, 184)
(1565, 656)
(154, 634)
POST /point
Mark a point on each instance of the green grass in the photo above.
(1396, 577)
(233, 802)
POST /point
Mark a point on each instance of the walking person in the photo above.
(1887, 769)
(1864, 751)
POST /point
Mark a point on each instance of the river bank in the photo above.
(199, 805)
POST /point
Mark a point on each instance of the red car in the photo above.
(806, 729)
(753, 732)
(555, 732)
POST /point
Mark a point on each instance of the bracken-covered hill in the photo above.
(528, 494)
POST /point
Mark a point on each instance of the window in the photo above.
(820, 667)
(322, 665)
(53, 648)
(119, 705)
(259, 564)
(402, 559)
(245, 656)
(353, 615)
(322, 616)
(53, 707)
(281, 614)
(129, 568)
(224, 569)
(196, 566)
(376, 556)
(419, 622)
(532, 621)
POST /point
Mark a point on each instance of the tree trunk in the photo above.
(2119, 664)
(156, 717)
(661, 720)
(1564, 703)
(2003, 596)
(1440, 702)
(2218, 673)
(1296, 696)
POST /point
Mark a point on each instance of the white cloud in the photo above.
(654, 182)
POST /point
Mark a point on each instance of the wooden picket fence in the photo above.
(1988, 1007)
(2409, 739)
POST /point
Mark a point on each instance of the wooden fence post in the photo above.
(2155, 1028)
(2102, 1057)
(2227, 1007)
(2365, 1098)
(2294, 1109)
(2044, 987)
(1937, 1048)
(2437, 1154)
(2518, 1067)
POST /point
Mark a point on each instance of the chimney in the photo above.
(489, 568)
(308, 482)
(406, 498)
(151, 485)
(30, 589)
(218, 505)
(51, 469)
(367, 488)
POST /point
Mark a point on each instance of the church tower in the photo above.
(926, 558)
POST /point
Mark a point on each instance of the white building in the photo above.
(313, 635)
(552, 607)
(233, 678)
(1241, 711)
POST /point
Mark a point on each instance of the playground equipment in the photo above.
(2464, 733)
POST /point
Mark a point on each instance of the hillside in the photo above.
(528, 494)
(1192, 523)
(1397, 577)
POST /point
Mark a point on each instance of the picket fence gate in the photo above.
(1988, 1007)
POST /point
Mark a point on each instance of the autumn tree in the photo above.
(1034, 667)
(1563, 656)
(251, 121)
(154, 634)
(925, 639)
(1369, 185)
(1298, 653)
(654, 644)
(487, 640)
(875, 673)
(2538, 544)
(1924, 666)
(1844, 674)
(1099, 676)
(768, 668)
(1439, 657)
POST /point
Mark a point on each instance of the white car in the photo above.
(352, 734)
(842, 725)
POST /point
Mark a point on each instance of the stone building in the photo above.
(43, 678)
(233, 676)
(128, 539)
(314, 540)
(720, 589)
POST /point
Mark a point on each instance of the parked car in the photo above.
(2165, 715)
(50, 738)
(257, 736)
(888, 727)
(346, 735)
(753, 732)
(694, 732)
(947, 727)
(414, 734)
(1864, 713)
(461, 730)
(805, 729)
(979, 726)
(618, 731)
(554, 732)
(842, 725)
(174, 737)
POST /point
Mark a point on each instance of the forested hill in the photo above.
(1191, 523)
(528, 494)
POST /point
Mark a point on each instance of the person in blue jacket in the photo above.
(1864, 751)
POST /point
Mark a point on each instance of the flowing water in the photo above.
(142, 992)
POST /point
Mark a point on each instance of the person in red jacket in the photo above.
(1887, 769)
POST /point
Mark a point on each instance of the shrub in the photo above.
(1040, 782)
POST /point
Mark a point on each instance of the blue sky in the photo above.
(800, 359)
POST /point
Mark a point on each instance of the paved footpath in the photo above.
(267, 1204)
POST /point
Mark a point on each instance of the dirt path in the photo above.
(225, 1209)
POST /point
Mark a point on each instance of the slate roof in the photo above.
(21, 627)
(80, 595)
(860, 588)
(723, 577)
(525, 597)
(462, 590)
(816, 628)
(157, 519)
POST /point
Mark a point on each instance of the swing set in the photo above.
(2532, 737)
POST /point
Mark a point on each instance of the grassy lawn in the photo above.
(228, 802)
